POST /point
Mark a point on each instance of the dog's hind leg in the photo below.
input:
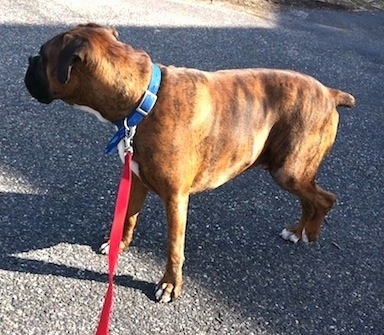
(315, 203)
(137, 197)
(297, 175)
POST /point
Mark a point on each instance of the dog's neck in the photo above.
(134, 117)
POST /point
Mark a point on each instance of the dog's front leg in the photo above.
(169, 288)
(138, 194)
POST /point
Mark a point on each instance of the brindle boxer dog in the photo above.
(205, 128)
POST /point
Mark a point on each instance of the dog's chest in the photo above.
(120, 146)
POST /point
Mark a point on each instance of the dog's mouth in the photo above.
(36, 81)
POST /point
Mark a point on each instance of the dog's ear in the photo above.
(74, 48)
(112, 30)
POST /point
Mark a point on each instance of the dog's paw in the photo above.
(104, 248)
(163, 292)
(167, 292)
(288, 235)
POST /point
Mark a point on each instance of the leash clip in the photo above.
(128, 139)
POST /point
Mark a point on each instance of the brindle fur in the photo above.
(206, 127)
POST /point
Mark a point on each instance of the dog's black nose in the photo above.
(36, 80)
(33, 59)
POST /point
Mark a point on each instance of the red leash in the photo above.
(121, 208)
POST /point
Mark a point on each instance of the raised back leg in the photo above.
(297, 172)
(315, 203)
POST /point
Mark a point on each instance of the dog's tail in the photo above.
(343, 99)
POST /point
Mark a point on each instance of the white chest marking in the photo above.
(120, 145)
(92, 111)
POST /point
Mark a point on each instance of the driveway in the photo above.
(58, 189)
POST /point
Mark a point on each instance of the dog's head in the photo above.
(88, 66)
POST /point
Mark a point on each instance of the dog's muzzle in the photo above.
(37, 82)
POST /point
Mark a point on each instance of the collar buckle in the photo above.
(145, 106)
(147, 103)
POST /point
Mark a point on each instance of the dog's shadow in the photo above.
(36, 222)
(13, 263)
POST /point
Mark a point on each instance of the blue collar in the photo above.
(144, 108)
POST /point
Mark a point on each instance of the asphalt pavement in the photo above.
(58, 188)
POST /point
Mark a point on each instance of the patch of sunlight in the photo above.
(13, 182)
(145, 13)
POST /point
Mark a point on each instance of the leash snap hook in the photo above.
(128, 139)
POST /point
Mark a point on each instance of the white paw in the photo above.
(289, 236)
(104, 248)
(160, 296)
(304, 237)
